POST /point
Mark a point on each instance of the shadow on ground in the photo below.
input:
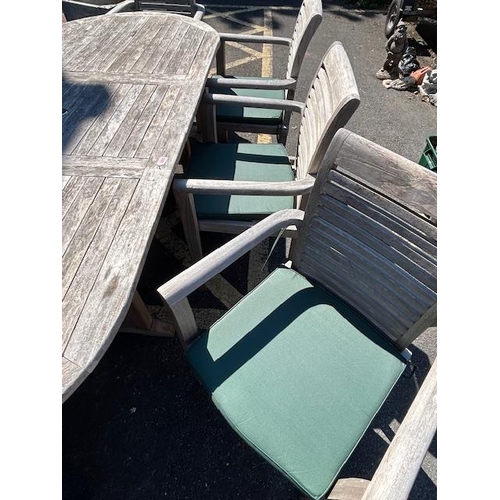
(142, 427)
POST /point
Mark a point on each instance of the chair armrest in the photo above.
(120, 7)
(215, 186)
(235, 37)
(253, 102)
(178, 288)
(250, 83)
(200, 11)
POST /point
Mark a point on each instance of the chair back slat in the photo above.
(361, 241)
(357, 204)
(333, 97)
(308, 20)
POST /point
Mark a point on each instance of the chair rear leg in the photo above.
(187, 211)
(223, 135)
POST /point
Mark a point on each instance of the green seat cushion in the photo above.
(240, 162)
(238, 114)
(298, 374)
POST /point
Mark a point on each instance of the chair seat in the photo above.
(241, 162)
(261, 116)
(298, 374)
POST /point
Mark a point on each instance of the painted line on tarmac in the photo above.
(267, 63)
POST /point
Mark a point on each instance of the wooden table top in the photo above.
(131, 86)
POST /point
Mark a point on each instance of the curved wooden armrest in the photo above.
(192, 278)
(253, 102)
(250, 83)
(214, 186)
(235, 37)
(200, 11)
(119, 7)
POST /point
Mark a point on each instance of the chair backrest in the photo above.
(177, 6)
(370, 236)
(333, 98)
(308, 20)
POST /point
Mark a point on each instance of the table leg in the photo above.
(139, 320)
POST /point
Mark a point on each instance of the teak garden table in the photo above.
(131, 85)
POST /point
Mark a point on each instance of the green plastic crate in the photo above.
(429, 156)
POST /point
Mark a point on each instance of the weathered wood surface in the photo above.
(332, 100)
(351, 488)
(308, 21)
(250, 83)
(131, 87)
(371, 237)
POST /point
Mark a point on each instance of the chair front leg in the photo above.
(189, 220)
(207, 121)
(283, 130)
(220, 59)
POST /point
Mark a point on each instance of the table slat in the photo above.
(141, 45)
(90, 131)
(70, 192)
(118, 276)
(158, 122)
(83, 236)
(144, 122)
(78, 209)
(88, 166)
(89, 267)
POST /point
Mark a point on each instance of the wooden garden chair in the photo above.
(264, 120)
(227, 187)
(301, 365)
(186, 7)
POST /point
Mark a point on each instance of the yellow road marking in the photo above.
(267, 63)
(257, 54)
(214, 14)
(244, 60)
(236, 20)
(267, 50)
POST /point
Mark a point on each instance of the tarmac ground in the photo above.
(141, 426)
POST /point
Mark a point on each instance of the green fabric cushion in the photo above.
(241, 162)
(249, 115)
(298, 374)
